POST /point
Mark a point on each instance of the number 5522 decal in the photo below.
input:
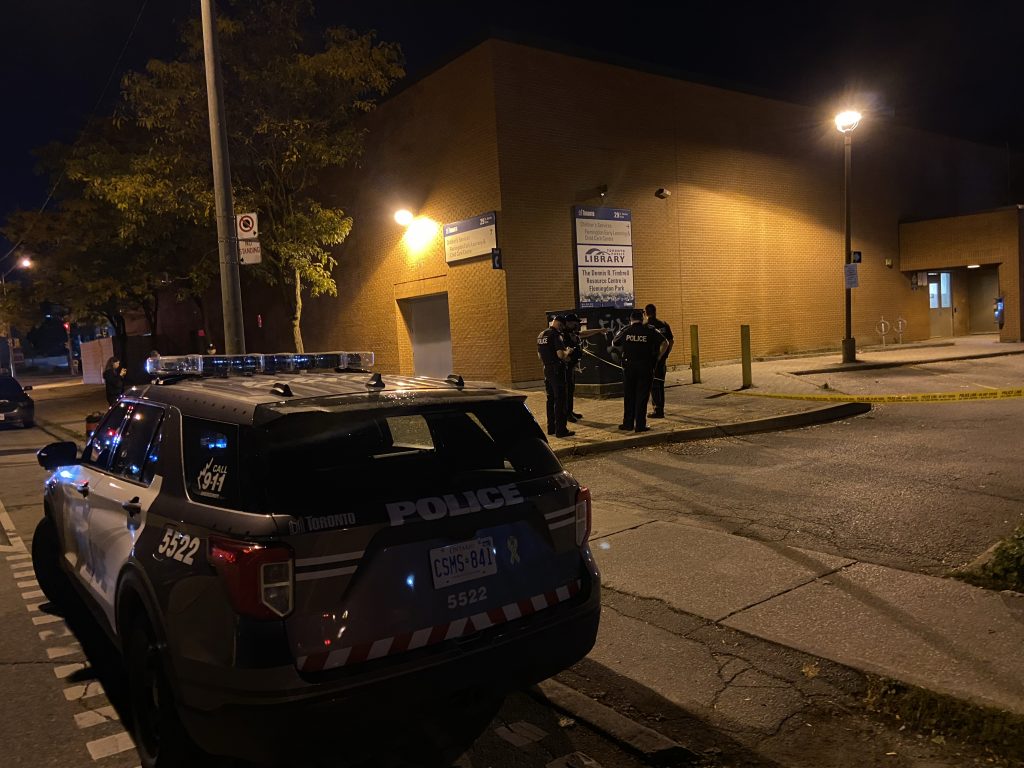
(179, 546)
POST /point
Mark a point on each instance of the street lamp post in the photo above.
(846, 122)
(24, 263)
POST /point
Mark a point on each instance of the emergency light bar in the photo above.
(162, 366)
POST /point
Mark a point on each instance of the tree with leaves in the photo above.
(293, 102)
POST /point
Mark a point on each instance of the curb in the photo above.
(685, 434)
(901, 363)
(57, 432)
(650, 744)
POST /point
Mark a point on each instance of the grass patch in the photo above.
(1002, 568)
(941, 717)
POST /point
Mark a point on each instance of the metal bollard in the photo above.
(694, 354)
(745, 351)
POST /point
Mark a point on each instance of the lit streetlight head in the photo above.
(25, 263)
(404, 217)
(848, 120)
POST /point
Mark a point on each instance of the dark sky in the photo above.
(951, 67)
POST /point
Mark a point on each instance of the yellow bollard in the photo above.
(694, 354)
(745, 351)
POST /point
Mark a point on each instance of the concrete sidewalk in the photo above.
(715, 408)
(937, 634)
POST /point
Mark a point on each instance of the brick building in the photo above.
(751, 234)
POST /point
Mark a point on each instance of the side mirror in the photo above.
(27, 389)
(57, 455)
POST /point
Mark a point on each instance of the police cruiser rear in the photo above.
(300, 559)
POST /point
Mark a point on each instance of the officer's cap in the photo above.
(572, 317)
(559, 318)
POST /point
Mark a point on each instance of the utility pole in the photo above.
(230, 285)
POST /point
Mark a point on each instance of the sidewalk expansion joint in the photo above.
(787, 591)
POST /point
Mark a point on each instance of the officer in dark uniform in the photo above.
(572, 340)
(554, 354)
(642, 347)
(661, 369)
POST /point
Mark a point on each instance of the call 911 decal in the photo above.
(179, 546)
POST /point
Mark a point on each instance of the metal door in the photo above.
(940, 303)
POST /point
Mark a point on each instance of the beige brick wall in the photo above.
(432, 149)
(753, 231)
(987, 238)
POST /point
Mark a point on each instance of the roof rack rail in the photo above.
(375, 382)
(455, 379)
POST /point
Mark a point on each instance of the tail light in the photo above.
(583, 515)
(258, 578)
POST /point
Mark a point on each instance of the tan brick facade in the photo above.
(752, 233)
(991, 238)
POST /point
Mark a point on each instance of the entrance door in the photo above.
(431, 335)
(982, 292)
(940, 303)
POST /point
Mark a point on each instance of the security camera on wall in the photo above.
(662, 193)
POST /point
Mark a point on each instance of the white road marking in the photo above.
(46, 618)
(32, 595)
(32, 607)
(66, 670)
(76, 692)
(19, 557)
(27, 583)
(62, 651)
(25, 574)
(53, 634)
(97, 716)
(110, 745)
(16, 545)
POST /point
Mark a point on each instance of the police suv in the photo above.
(298, 559)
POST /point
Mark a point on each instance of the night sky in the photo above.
(949, 67)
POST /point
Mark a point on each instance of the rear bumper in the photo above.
(275, 714)
(18, 416)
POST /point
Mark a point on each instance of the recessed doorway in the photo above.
(426, 319)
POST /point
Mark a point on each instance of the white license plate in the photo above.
(461, 562)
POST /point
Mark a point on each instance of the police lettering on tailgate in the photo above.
(455, 504)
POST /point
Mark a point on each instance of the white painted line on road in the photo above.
(16, 545)
(62, 651)
(46, 618)
(53, 634)
(33, 607)
(110, 745)
(35, 593)
(28, 583)
(76, 692)
(66, 670)
(24, 574)
(98, 716)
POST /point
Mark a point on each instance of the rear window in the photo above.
(211, 461)
(319, 457)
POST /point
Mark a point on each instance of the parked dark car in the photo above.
(16, 407)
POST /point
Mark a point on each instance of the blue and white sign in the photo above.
(604, 257)
(470, 238)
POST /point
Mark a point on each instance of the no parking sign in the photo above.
(246, 226)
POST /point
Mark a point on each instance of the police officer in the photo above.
(661, 369)
(642, 347)
(572, 341)
(553, 353)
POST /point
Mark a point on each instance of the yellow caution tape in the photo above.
(923, 397)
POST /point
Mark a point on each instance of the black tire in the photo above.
(160, 738)
(46, 563)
